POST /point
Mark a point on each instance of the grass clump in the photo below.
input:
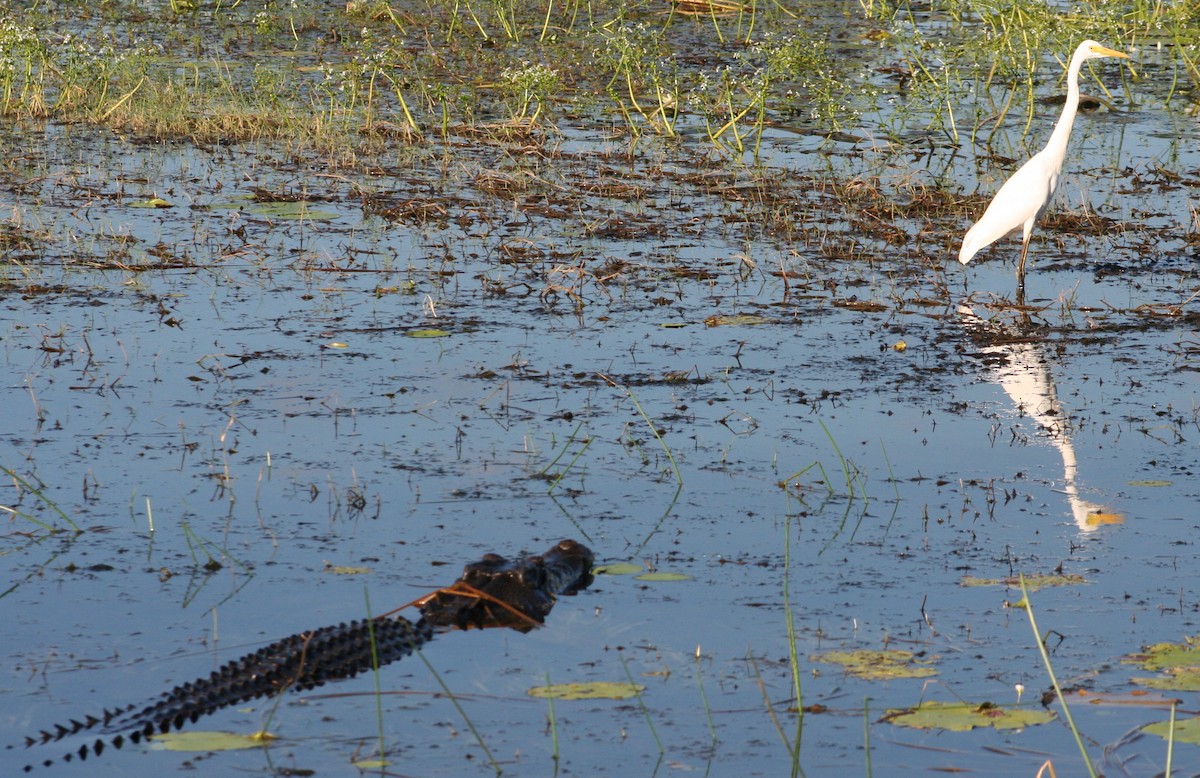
(724, 73)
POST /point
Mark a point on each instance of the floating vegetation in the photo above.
(1179, 664)
(588, 690)
(346, 569)
(291, 209)
(660, 576)
(1032, 582)
(1164, 656)
(640, 572)
(878, 665)
(208, 741)
(736, 320)
(1184, 731)
(618, 568)
(963, 716)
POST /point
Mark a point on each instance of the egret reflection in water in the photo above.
(1022, 369)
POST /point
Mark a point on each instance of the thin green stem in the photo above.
(842, 459)
(642, 704)
(762, 687)
(650, 424)
(1170, 742)
(867, 732)
(712, 730)
(553, 719)
(1037, 635)
(41, 496)
(466, 719)
(375, 674)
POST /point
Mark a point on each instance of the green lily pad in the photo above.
(594, 690)
(1152, 483)
(371, 764)
(663, 576)
(1177, 679)
(1032, 582)
(291, 209)
(1186, 730)
(1167, 656)
(153, 202)
(618, 568)
(346, 570)
(736, 320)
(276, 209)
(427, 333)
(961, 717)
(209, 741)
(239, 202)
(877, 665)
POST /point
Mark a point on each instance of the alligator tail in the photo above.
(301, 661)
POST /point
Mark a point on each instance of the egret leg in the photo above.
(1021, 266)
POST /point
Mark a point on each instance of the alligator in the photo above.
(493, 592)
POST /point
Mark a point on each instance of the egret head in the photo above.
(1093, 50)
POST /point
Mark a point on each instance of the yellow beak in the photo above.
(1107, 52)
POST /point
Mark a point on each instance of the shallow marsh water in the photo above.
(399, 386)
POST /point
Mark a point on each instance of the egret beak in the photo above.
(1107, 52)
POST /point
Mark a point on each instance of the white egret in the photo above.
(1024, 196)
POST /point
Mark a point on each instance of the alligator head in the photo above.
(514, 593)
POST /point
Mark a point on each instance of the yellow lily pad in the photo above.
(663, 576)
(428, 333)
(1186, 730)
(617, 568)
(961, 717)
(153, 202)
(209, 741)
(371, 764)
(593, 690)
(1153, 483)
(877, 665)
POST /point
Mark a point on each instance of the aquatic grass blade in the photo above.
(642, 704)
(41, 496)
(1037, 636)
(461, 712)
